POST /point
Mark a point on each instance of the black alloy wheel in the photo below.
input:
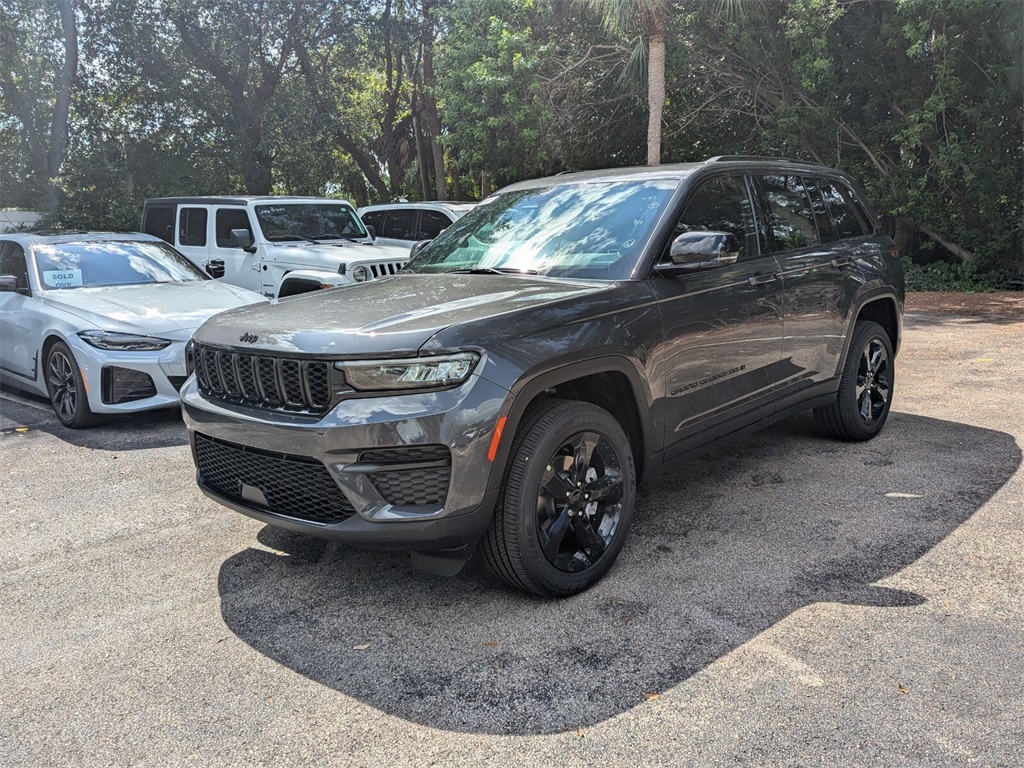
(566, 502)
(66, 388)
(865, 391)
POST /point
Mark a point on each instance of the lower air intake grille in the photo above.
(295, 486)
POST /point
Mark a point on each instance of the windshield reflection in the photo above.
(309, 221)
(120, 262)
(585, 230)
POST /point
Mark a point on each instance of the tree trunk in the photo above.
(485, 185)
(421, 158)
(433, 119)
(65, 84)
(655, 91)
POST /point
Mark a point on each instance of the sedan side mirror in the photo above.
(243, 239)
(696, 251)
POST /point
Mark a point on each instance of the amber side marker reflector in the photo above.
(84, 383)
(496, 438)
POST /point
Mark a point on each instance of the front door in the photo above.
(17, 326)
(240, 268)
(721, 353)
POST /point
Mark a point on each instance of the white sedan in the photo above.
(98, 323)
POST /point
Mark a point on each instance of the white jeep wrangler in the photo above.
(277, 246)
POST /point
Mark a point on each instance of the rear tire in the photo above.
(865, 391)
(66, 388)
(566, 500)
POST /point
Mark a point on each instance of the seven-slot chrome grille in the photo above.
(262, 380)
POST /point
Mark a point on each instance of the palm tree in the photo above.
(650, 17)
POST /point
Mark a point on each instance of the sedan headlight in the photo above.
(123, 342)
(414, 373)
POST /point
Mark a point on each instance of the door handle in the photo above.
(842, 261)
(762, 279)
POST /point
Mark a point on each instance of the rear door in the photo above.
(817, 270)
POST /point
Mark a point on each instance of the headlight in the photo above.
(360, 274)
(415, 373)
(123, 342)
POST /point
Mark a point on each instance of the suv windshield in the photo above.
(309, 221)
(586, 230)
(111, 262)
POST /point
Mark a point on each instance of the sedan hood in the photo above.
(153, 308)
(391, 316)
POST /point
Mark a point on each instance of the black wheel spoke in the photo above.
(552, 536)
(583, 450)
(559, 487)
(606, 489)
(590, 543)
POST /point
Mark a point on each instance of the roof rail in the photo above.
(748, 158)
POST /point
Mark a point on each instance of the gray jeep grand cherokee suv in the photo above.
(569, 336)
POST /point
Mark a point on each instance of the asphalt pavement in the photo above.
(788, 600)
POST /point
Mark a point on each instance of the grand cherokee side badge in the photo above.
(248, 338)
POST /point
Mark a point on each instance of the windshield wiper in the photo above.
(493, 271)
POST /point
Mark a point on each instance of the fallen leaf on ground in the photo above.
(579, 732)
(898, 495)
(362, 647)
(902, 689)
(21, 429)
(652, 696)
(491, 645)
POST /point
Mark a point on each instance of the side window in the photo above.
(401, 225)
(192, 226)
(431, 224)
(374, 219)
(228, 219)
(12, 262)
(722, 205)
(789, 212)
(842, 207)
(159, 222)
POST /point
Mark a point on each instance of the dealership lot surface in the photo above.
(786, 600)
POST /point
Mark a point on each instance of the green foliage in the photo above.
(942, 276)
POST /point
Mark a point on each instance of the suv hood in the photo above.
(328, 255)
(152, 307)
(390, 316)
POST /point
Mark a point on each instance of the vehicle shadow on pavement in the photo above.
(161, 428)
(719, 552)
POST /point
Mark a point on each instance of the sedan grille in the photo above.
(280, 483)
(263, 381)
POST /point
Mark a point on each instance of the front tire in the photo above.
(566, 501)
(66, 388)
(862, 404)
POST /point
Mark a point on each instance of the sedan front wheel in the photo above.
(66, 388)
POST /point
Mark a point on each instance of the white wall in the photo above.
(11, 221)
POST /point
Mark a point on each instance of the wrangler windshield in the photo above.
(585, 230)
(309, 221)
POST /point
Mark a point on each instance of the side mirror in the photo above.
(696, 251)
(8, 284)
(242, 238)
(371, 230)
(417, 247)
(215, 268)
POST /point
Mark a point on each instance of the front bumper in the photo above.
(406, 471)
(165, 367)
